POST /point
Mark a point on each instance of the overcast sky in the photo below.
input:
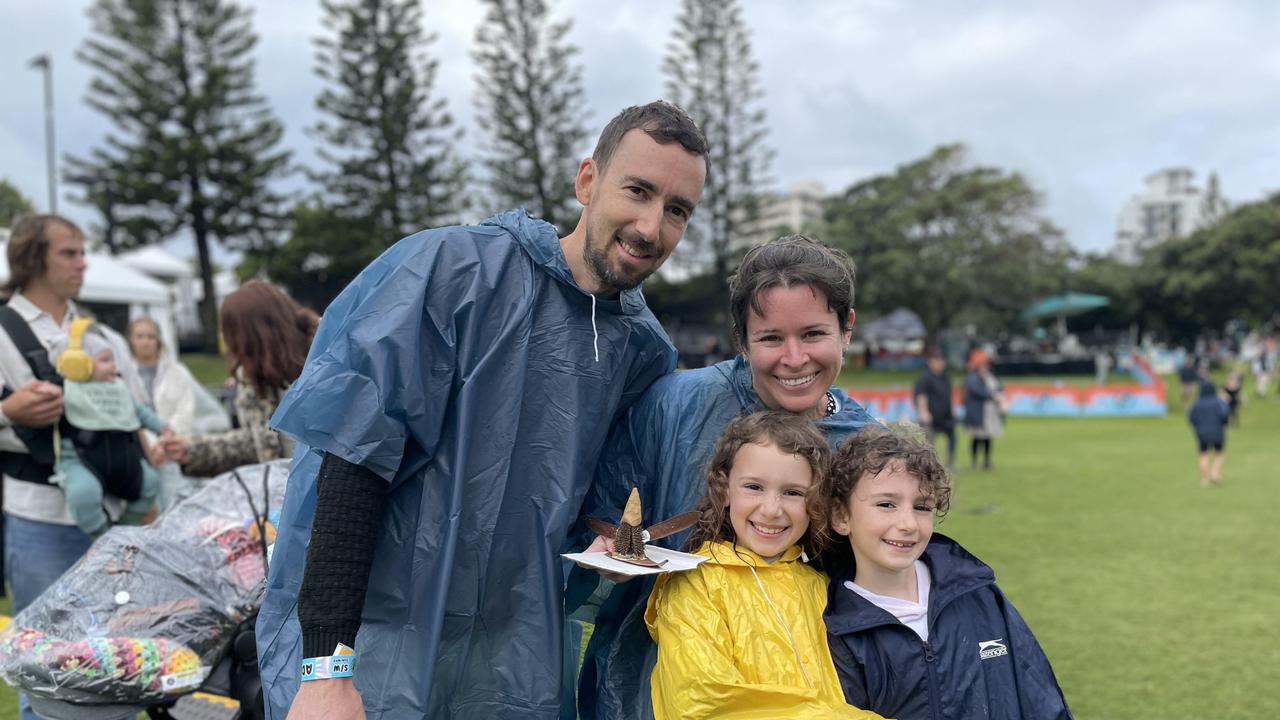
(1084, 97)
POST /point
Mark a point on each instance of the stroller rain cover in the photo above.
(146, 613)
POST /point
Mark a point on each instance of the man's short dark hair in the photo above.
(660, 120)
(28, 249)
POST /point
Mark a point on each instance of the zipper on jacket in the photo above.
(930, 661)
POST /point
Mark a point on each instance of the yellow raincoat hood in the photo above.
(740, 637)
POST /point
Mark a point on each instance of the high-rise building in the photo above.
(783, 213)
(1170, 205)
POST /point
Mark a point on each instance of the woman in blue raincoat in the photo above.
(791, 305)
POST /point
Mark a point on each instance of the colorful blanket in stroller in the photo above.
(149, 610)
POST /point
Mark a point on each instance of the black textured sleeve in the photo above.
(349, 500)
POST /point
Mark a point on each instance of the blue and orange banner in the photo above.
(1145, 397)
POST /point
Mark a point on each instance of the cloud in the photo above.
(1085, 98)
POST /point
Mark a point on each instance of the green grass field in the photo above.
(209, 370)
(1153, 597)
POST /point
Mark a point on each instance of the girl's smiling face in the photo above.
(767, 491)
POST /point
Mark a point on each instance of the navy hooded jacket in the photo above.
(981, 660)
(1208, 416)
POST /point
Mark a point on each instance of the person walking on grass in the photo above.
(1208, 417)
(933, 403)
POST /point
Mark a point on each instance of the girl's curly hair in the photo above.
(790, 433)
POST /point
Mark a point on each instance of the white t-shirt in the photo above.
(913, 615)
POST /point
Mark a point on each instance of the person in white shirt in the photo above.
(41, 541)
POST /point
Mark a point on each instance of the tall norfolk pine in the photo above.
(389, 141)
(712, 74)
(530, 104)
(193, 146)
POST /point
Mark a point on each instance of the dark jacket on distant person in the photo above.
(1209, 415)
(937, 392)
(981, 661)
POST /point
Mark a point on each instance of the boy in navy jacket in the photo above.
(917, 627)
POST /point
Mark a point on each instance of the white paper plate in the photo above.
(676, 561)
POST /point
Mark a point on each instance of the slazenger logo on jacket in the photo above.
(992, 649)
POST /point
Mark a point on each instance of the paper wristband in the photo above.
(342, 664)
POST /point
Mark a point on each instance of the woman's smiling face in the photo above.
(795, 348)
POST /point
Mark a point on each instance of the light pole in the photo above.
(44, 63)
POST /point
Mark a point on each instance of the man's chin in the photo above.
(632, 276)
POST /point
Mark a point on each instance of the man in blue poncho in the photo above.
(450, 415)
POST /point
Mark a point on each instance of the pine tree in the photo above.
(712, 74)
(1214, 206)
(389, 141)
(530, 103)
(13, 204)
(193, 146)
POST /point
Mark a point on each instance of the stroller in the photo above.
(157, 619)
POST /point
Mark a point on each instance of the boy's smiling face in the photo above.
(888, 521)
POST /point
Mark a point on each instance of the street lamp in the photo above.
(43, 62)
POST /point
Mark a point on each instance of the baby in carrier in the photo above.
(97, 442)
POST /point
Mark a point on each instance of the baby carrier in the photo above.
(113, 456)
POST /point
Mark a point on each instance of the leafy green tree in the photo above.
(1194, 285)
(12, 203)
(323, 253)
(1104, 274)
(193, 146)
(713, 75)
(530, 103)
(950, 240)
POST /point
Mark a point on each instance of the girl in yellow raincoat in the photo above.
(741, 636)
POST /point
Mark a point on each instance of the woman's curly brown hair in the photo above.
(790, 433)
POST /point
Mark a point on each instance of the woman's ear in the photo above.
(848, 327)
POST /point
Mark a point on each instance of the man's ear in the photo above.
(839, 520)
(584, 183)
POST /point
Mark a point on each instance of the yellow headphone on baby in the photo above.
(75, 364)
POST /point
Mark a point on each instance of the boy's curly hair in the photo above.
(790, 433)
(868, 453)
(874, 448)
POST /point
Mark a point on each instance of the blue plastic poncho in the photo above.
(662, 447)
(462, 367)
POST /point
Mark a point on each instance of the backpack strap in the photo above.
(39, 441)
(32, 350)
(37, 465)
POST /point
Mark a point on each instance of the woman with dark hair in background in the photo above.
(267, 337)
